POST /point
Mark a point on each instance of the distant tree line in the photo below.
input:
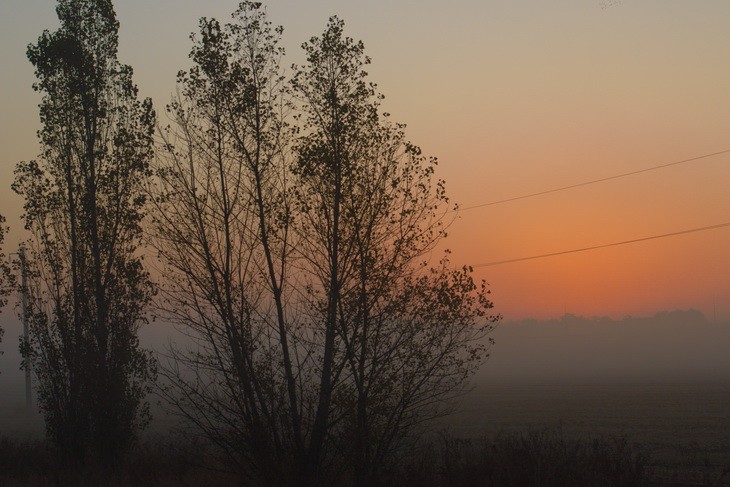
(291, 220)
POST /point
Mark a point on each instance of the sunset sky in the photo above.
(514, 97)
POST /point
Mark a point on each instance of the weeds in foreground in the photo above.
(158, 463)
(543, 458)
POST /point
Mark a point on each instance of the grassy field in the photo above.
(684, 428)
(561, 434)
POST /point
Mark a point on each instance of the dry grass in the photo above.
(543, 458)
(156, 463)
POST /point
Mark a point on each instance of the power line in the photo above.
(614, 244)
(594, 181)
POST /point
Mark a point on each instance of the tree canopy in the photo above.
(295, 219)
(84, 203)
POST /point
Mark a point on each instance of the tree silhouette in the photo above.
(293, 221)
(84, 202)
(5, 276)
(394, 338)
(222, 227)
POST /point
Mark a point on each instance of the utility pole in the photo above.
(24, 301)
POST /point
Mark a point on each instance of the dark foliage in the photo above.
(84, 204)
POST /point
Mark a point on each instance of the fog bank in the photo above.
(671, 346)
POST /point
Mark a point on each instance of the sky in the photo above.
(514, 97)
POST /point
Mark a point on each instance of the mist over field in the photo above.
(660, 382)
(671, 346)
(681, 348)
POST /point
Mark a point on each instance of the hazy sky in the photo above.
(514, 97)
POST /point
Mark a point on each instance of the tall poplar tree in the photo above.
(84, 202)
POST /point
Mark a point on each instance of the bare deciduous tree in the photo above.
(84, 202)
(293, 221)
(221, 229)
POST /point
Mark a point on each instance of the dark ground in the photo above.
(562, 434)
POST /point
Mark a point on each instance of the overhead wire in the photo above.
(613, 244)
(594, 181)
